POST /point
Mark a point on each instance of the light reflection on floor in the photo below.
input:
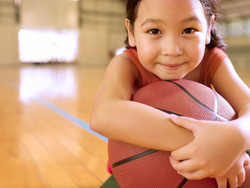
(47, 81)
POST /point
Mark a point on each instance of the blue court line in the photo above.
(69, 117)
(58, 110)
(9, 83)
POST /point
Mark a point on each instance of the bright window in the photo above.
(48, 45)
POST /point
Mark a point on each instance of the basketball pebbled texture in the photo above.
(138, 167)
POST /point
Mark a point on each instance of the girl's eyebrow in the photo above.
(191, 18)
(188, 19)
(151, 20)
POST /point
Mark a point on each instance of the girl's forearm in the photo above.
(139, 124)
(244, 123)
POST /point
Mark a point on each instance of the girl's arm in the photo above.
(227, 82)
(220, 144)
(115, 116)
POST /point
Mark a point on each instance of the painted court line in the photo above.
(58, 110)
(69, 117)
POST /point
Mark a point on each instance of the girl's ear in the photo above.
(131, 37)
(208, 36)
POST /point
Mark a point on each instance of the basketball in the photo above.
(137, 167)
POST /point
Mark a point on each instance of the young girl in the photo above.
(167, 40)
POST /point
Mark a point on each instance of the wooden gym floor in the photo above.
(45, 139)
(43, 120)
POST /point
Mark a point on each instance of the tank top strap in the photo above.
(210, 63)
(146, 76)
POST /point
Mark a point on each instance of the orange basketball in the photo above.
(137, 167)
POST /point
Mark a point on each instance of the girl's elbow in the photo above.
(95, 124)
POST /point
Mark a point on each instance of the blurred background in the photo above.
(65, 31)
(88, 32)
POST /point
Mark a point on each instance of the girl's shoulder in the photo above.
(122, 60)
(122, 65)
(212, 60)
(215, 53)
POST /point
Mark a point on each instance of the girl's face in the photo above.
(170, 36)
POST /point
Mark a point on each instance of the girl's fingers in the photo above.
(188, 169)
(241, 178)
(183, 153)
(185, 122)
(233, 182)
(246, 160)
(221, 182)
(196, 175)
(183, 166)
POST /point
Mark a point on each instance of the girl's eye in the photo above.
(154, 31)
(189, 31)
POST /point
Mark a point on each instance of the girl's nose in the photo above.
(171, 46)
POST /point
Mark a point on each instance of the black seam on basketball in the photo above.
(169, 112)
(216, 105)
(184, 181)
(192, 97)
(200, 103)
(145, 153)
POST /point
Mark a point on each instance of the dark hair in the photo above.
(211, 7)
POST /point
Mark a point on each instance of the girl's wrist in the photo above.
(240, 135)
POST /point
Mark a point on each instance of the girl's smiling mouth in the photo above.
(172, 67)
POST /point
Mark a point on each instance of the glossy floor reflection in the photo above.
(47, 81)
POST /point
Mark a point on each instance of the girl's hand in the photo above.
(214, 150)
(236, 175)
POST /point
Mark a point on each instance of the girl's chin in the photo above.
(171, 77)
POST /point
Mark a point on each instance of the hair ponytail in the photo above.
(211, 8)
(216, 40)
